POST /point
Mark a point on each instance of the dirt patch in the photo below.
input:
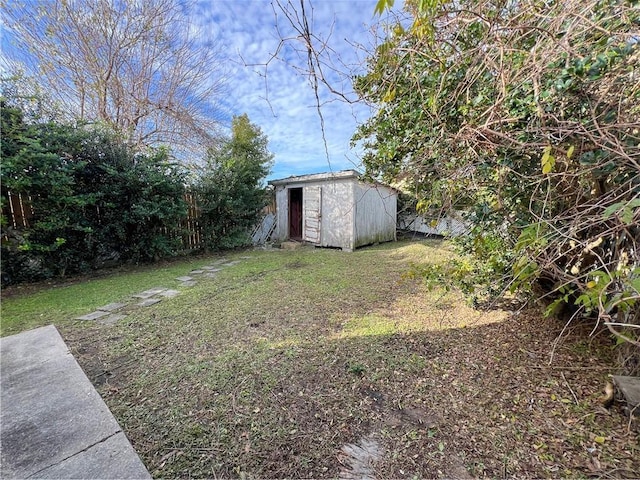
(295, 265)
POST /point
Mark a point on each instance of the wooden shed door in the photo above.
(295, 213)
(312, 204)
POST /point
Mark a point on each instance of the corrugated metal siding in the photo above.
(453, 226)
(376, 213)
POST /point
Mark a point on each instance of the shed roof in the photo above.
(319, 177)
(316, 177)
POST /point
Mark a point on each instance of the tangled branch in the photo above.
(526, 115)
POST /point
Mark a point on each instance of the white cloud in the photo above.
(277, 97)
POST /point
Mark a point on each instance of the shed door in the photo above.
(295, 213)
(312, 204)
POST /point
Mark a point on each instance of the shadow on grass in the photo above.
(482, 397)
(269, 369)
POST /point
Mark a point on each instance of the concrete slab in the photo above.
(156, 290)
(358, 459)
(211, 268)
(184, 279)
(110, 455)
(147, 302)
(149, 293)
(112, 307)
(111, 319)
(53, 423)
(189, 283)
(196, 272)
(93, 315)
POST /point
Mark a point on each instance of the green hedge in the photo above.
(96, 200)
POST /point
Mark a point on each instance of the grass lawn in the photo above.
(269, 369)
(30, 306)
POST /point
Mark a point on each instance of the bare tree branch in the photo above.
(136, 66)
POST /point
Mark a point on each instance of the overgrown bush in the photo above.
(230, 189)
(527, 116)
(96, 200)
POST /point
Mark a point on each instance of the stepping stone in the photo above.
(211, 268)
(149, 301)
(628, 389)
(196, 272)
(246, 258)
(169, 293)
(231, 264)
(111, 319)
(112, 306)
(149, 293)
(219, 261)
(93, 315)
(358, 459)
(184, 279)
(189, 283)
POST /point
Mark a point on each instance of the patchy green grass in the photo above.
(31, 306)
(270, 368)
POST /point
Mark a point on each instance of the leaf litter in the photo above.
(270, 371)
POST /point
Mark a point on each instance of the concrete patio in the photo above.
(53, 422)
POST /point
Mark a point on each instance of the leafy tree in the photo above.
(526, 116)
(231, 190)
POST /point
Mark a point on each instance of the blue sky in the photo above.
(274, 90)
(278, 97)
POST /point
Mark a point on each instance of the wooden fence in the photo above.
(191, 232)
(16, 208)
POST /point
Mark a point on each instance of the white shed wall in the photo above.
(349, 213)
(376, 213)
(337, 214)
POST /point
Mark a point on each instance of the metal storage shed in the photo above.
(334, 210)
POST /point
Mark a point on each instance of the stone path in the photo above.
(114, 312)
(53, 423)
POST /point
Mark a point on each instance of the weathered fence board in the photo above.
(17, 209)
